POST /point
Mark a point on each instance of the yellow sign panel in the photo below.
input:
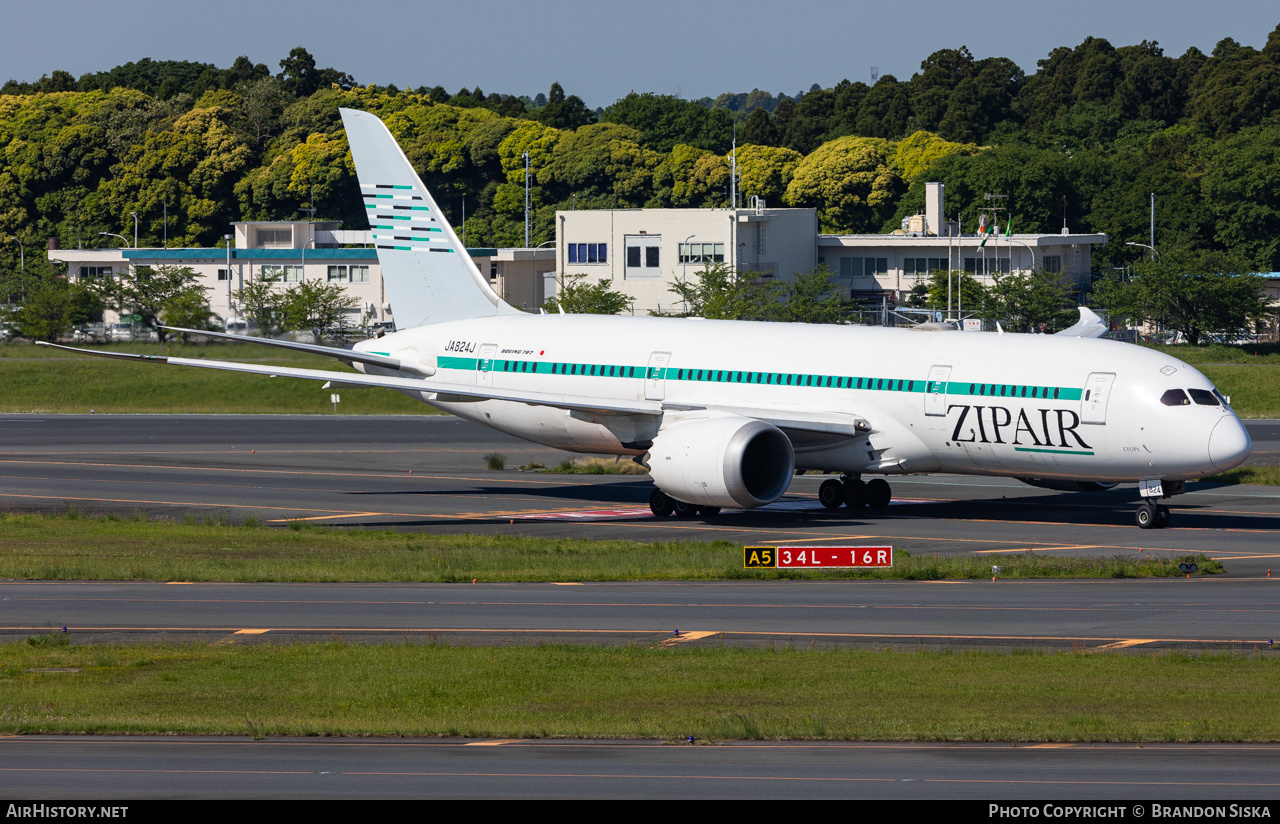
(758, 557)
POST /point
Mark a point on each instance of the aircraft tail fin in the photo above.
(428, 274)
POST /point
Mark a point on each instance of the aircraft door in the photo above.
(935, 398)
(655, 384)
(484, 364)
(1097, 391)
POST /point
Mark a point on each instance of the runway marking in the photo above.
(495, 743)
(231, 639)
(1049, 549)
(179, 583)
(1050, 747)
(1132, 642)
(566, 584)
(664, 633)
(693, 635)
(324, 517)
(250, 631)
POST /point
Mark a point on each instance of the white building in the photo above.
(293, 251)
(643, 251)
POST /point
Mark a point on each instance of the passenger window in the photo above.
(1203, 397)
(1175, 397)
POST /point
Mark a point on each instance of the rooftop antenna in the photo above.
(311, 207)
(875, 74)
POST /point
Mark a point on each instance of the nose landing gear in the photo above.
(1152, 516)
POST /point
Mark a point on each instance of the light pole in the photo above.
(1154, 253)
(228, 239)
(113, 234)
(304, 257)
(22, 253)
(1029, 249)
(526, 200)
(134, 215)
(684, 274)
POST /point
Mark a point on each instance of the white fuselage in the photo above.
(1038, 406)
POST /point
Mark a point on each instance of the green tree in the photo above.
(316, 307)
(189, 309)
(146, 292)
(40, 306)
(1036, 301)
(717, 293)
(1198, 293)
(578, 297)
(850, 182)
(666, 120)
(261, 303)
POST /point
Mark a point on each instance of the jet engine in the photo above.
(1067, 486)
(722, 460)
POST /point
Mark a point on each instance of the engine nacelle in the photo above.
(722, 460)
(1067, 486)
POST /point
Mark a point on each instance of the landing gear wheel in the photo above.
(878, 493)
(831, 493)
(855, 494)
(661, 504)
(684, 510)
(1145, 516)
(708, 511)
(1162, 516)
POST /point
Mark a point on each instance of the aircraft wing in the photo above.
(442, 388)
(814, 422)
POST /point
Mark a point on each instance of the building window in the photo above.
(90, 272)
(275, 236)
(1052, 263)
(283, 274)
(337, 274)
(702, 253)
(588, 253)
(359, 274)
(989, 266)
(224, 274)
(651, 257)
(863, 267)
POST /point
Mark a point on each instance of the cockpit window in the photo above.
(1203, 397)
(1225, 401)
(1175, 397)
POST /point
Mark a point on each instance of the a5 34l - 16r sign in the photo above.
(816, 557)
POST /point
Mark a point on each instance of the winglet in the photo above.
(1090, 325)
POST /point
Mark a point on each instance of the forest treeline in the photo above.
(1084, 140)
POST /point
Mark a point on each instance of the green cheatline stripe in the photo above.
(384, 354)
(789, 379)
(401, 187)
(1051, 451)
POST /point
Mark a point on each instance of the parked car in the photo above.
(119, 332)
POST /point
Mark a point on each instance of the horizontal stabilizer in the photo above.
(342, 354)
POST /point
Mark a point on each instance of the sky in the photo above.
(598, 50)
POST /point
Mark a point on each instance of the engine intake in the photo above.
(722, 460)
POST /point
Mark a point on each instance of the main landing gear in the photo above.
(1151, 515)
(662, 505)
(854, 493)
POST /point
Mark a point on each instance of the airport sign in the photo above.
(817, 557)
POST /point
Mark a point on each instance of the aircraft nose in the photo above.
(1229, 444)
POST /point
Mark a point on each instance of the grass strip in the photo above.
(45, 380)
(1260, 475)
(638, 692)
(69, 547)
